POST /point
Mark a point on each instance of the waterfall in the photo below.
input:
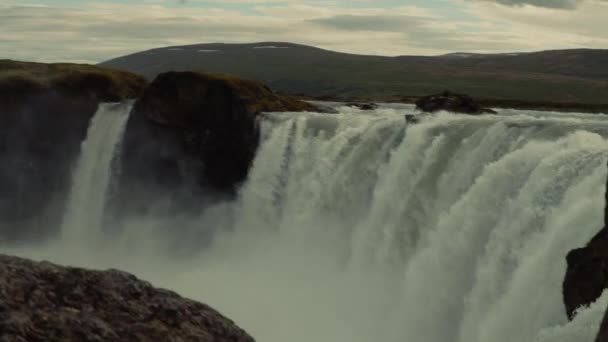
(464, 222)
(92, 176)
(360, 227)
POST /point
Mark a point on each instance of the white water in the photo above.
(354, 227)
(93, 172)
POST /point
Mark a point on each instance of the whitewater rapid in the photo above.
(360, 227)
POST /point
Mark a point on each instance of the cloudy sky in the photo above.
(93, 30)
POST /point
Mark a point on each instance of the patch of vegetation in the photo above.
(255, 95)
(21, 79)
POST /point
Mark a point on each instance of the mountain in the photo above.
(568, 76)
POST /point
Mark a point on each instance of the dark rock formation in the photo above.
(362, 105)
(587, 273)
(45, 110)
(46, 302)
(209, 119)
(451, 102)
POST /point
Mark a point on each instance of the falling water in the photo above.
(93, 172)
(464, 222)
(360, 227)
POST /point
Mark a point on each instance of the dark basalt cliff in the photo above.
(44, 112)
(189, 133)
(587, 275)
(46, 302)
(193, 130)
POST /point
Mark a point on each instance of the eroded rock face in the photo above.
(587, 273)
(451, 102)
(212, 118)
(45, 110)
(46, 302)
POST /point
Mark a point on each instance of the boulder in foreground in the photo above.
(46, 302)
(451, 102)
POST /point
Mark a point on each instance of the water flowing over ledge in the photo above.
(93, 172)
(359, 227)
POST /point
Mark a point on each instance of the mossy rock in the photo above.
(18, 80)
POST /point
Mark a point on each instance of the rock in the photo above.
(451, 102)
(212, 117)
(46, 302)
(362, 106)
(587, 272)
(45, 110)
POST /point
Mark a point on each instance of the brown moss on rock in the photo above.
(173, 90)
(451, 102)
(21, 79)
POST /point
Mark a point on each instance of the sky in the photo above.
(92, 31)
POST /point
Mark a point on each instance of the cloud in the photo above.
(559, 4)
(93, 32)
(382, 23)
(583, 27)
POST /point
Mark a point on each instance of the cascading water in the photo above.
(93, 172)
(463, 221)
(359, 227)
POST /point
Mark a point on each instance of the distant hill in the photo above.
(549, 76)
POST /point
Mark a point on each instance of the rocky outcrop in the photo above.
(587, 272)
(362, 105)
(451, 102)
(207, 119)
(587, 275)
(46, 302)
(45, 110)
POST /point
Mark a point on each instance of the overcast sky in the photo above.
(93, 31)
